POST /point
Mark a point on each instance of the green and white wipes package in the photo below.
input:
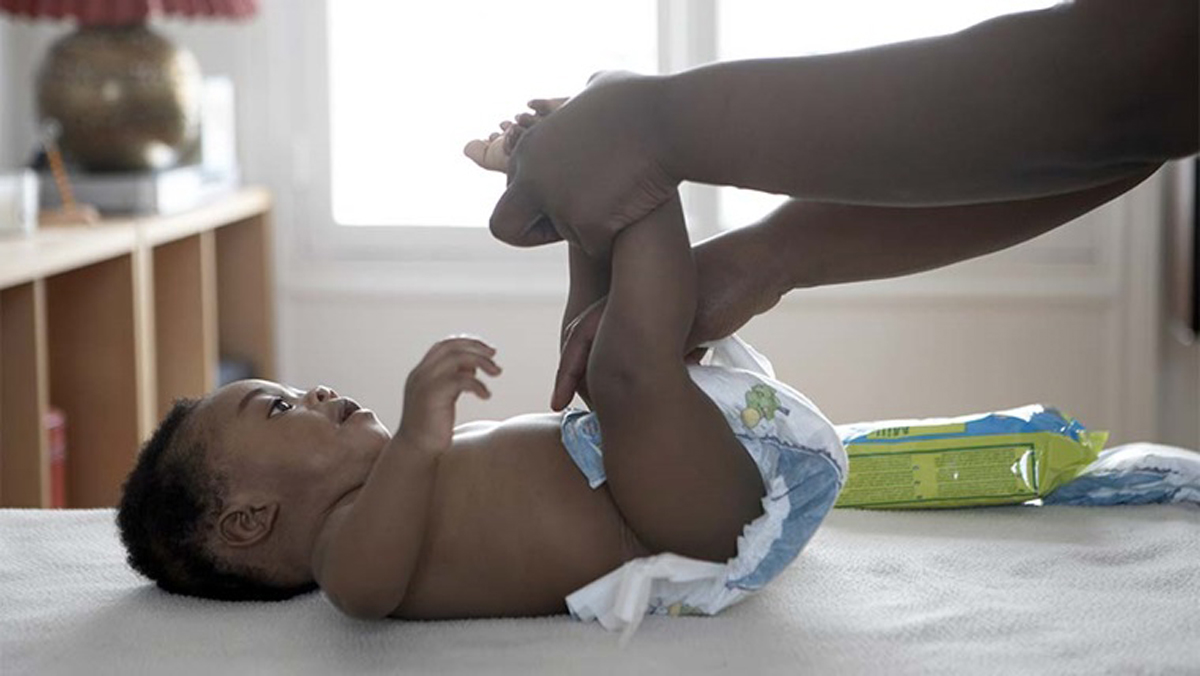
(999, 458)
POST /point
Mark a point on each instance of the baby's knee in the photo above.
(620, 375)
(611, 379)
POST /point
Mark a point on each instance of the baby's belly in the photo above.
(515, 527)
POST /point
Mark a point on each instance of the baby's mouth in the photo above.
(349, 406)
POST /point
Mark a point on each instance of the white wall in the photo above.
(6, 97)
(1074, 319)
(969, 339)
(1179, 412)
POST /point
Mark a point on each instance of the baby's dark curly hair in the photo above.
(168, 509)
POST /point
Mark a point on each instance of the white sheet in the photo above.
(1023, 590)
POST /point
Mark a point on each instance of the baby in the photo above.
(261, 491)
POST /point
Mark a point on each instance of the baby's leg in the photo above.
(681, 479)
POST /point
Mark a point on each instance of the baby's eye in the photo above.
(280, 405)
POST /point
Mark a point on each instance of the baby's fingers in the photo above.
(467, 383)
(460, 343)
(484, 363)
(466, 362)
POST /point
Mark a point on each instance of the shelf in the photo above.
(54, 249)
(110, 323)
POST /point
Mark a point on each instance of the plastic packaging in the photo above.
(1005, 457)
(1134, 474)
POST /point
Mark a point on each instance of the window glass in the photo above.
(411, 83)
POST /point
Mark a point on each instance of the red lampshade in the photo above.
(125, 12)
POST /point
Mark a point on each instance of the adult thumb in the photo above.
(517, 218)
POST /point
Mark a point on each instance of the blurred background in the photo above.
(353, 114)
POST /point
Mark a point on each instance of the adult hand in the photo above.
(734, 284)
(587, 171)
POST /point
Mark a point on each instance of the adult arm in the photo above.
(805, 244)
(1021, 106)
(745, 272)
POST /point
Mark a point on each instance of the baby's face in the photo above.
(314, 444)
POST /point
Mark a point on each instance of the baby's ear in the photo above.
(247, 524)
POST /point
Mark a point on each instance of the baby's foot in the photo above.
(493, 153)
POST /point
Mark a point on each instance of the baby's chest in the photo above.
(517, 528)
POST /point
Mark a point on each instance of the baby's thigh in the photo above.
(682, 480)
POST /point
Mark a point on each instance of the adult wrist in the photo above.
(780, 265)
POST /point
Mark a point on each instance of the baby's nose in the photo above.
(321, 393)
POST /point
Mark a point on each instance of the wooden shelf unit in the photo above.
(110, 323)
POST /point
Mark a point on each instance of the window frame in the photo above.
(430, 260)
(686, 36)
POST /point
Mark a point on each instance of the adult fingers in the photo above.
(572, 367)
(572, 361)
(544, 107)
(517, 218)
(511, 137)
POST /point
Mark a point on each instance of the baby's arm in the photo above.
(367, 551)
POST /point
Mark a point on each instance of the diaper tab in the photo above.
(581, 438)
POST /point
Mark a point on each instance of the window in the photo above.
(410, 84)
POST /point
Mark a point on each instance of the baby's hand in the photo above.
(493, 153)
(433, 387)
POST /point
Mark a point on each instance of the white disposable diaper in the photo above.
(802, 464)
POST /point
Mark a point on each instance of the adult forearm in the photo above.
(821, 243)
(1022, 106)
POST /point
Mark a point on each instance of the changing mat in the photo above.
(1005, 590)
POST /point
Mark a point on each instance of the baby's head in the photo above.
(228, 496)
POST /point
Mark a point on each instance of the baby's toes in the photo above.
(511, 137)
(476, 150)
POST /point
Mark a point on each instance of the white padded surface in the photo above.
(986, 591)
